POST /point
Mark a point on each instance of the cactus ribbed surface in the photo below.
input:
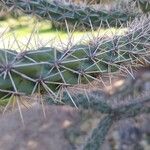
(51, 68)
(47, 69)
(72, 14)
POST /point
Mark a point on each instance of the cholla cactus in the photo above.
(72, 14)
(48, 69)
(100, 102)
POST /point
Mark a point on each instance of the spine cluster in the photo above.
(47, 69)
(75, 15)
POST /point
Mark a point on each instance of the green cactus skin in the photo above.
(97, 101)
(95, 141)
(50, 69)
(71, 14)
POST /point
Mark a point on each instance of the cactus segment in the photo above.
(51, 69)
(72, 14)
(81, 100)
(98, 135)
(40, 55)
(96, 101)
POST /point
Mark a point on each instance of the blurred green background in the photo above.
(26, 32)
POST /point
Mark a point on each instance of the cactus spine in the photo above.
(112, 114)
(49, 69)
(144, 5)
(60, 13)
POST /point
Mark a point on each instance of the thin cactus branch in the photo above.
(95, 141)
(84, 101)
(72, 14)
(98, 135)
(134, 108)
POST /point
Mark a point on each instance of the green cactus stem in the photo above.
(96, 139)
(72, 14)
(98, 135)
(47, 69)
(96, 101)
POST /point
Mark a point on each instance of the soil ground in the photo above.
(66, 128)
